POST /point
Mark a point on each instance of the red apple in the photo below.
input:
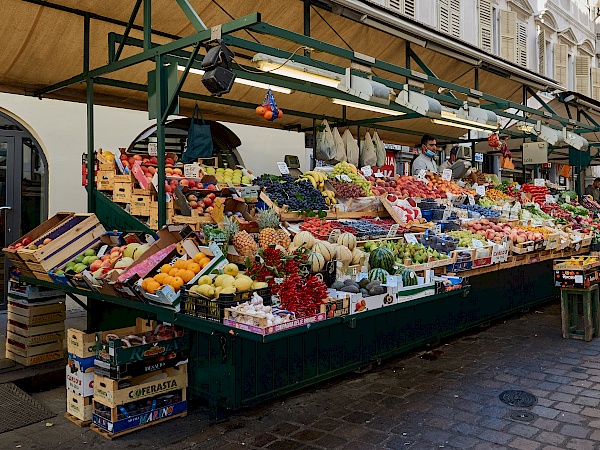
(392, 198)
(153, 160)
(211, 196)
(169, 161)
(207, 201)
(193, 204)
(211, 187)
(123, 156)
(185, 182)
(151, 170)
(26, 241)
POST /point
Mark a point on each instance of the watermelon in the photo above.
(382, 258)
(409, 278)
(379, 275)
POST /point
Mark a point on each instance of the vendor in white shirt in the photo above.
(426, 160)
(451, 160)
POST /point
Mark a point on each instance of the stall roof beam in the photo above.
(426, 69)
(136, 8)
(192, 15)
(542, 102)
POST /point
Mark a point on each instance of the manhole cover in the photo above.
(521, 399)
(522, 416)
(19, 409)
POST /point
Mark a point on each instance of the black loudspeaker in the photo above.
(218, 81)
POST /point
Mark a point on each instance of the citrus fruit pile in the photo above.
(181, 272)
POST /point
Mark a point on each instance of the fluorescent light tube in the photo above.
(293, 69)
(466, 126)
(243, 81)
(377, 109)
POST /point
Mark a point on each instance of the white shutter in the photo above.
(455, 18)
(409, 8)
(521, 44)
(560, 64)
(449, 17)
(542, 52)
(508, 35)
(485, 25)
(582, 74)
(394, 5)
(596, 83)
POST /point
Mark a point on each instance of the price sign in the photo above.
(477, 243)
(344, 178)
(393, 231)
(568, 198)
(539, 182)
(283, 168)
(480, 191)
(379, 175)
(191, 170)
(471, 200)
(367, 171)
(447, 214)
(411, 238)
(152, 148)
(333, 237)
(102, 251)
(421, 176)
(447, 174)
(437, 228)
(550, 199)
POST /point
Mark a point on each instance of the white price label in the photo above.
(550, 199)
(447, 174)
(152, 148)
(421, 175)
(477, 243)
(480, 191)
(367, 171)
(437, 228)
(447, 214)
(191, 170)
(579, 279)
(471, 200)
(567, 199)
(539, 182)
(102, 251)
(283, 168)
(344, 178)
(333, 237)
(411, 238)
(379, 175)
(393, 230)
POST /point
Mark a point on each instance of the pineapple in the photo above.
(231, 227)
(244, 244)
(268, 224)
(283, 238)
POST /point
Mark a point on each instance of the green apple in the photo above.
(70, 265)
(79, 259)
(90, 252)
(79, 268)
(59, 272)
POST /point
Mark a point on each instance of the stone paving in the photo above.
(442, 397)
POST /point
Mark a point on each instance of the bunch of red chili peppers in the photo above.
(301, 295)
(275, 265)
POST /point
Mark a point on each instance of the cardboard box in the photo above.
(140, 205)
(79, 406)
(107, 370)
(105, 180)
(81, 364)
(274, 328)
(80, 343)
(122, 192)
(81, 383)
(336, 307)
(36, 314)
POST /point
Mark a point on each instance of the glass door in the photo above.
(9, 204)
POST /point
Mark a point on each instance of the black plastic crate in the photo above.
(213, 309)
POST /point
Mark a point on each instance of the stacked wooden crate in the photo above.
(35, 330)
(81, 347)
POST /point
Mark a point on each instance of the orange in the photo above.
(176, 283)
(199, 256)
(174, 272)
(152, 286)
(187, 275)
(268, 115)
(180, 264)
(204, 261)
(260, 110)
(168, 280)
(145, 282)
(166, 268)
(194, 267)
(160, 278)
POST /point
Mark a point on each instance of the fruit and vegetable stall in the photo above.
(279, 282)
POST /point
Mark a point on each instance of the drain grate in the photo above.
(521, 399)
(19, 409)
(522, 416)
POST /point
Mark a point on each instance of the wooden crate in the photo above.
(80, 343)
(70, 239)
(43, 276)
(122, 192)
(34, 350)
(105, 180)
(140, 205)
(39, 339)
(31, 331)
(79, 407)
(153, 224)
(107, 392)
(34, 360)
(34, 314)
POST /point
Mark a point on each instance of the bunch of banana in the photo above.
(329, 197)
(317, 179)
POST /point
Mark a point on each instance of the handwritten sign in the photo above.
(283, 168)
(393, 230)
(447, 174)
(411, 238)
(437, 228)
(480, 191)
(447, 214)
(191, 170)
(539, 182)
(421, 176)
(379, 175)
(477, 243)
(344, 177)
(567, 199)
(152, 148)
(550, 199)
(367, 171)
(471, 200)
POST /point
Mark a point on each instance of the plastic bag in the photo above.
(199, 142)
(340, 148)
(271, 111)
(325, 143)
(352, 151)
(379, 150)
(368, 157)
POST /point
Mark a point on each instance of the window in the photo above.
(582, 74)
(508, 35)
(541, 51)
(486, 29)
(521, 54)
(549, 60)
(560, 64)
(595, 83)
(406, 7)
(449, 17)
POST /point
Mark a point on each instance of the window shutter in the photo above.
(542, 52)
(582, 74)
(560, 64)
(394, 5)
(409, 8)
(449, 17)
(521, 44)
(455, 18)
(485, 25)
(596, 83)
(508, 35)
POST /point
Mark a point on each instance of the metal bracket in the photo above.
(215, 32)
(350, 322)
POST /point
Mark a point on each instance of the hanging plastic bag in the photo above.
(379, 150)
(199, 139)
(269, 109)
(340, 148)
(325, 143)
(368, 157)
(352, 151)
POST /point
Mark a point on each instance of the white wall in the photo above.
(60, 128)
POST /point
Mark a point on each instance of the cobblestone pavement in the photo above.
(443, 397)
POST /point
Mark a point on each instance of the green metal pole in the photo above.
(306, 24)
(314, 144)
(148, 25)
(90, 145)
(160, 140)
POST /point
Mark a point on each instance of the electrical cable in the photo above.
(302, 47)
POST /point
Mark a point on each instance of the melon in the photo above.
(316, 262)
(343, 254)
(304, 237)
(409, 278)
(357, 256)
(382, 258)
(347, 240)
(379, 275)
(325, 249)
